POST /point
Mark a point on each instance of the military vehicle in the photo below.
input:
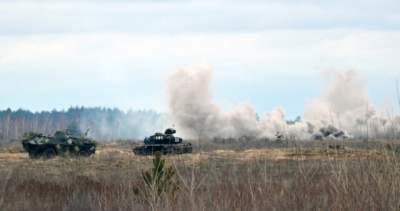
(165, 143)
(330, 132)
(68, 142)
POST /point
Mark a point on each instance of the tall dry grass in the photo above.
(114, 182)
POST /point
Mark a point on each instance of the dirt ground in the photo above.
(114, 151)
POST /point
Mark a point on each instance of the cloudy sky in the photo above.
(56, 53)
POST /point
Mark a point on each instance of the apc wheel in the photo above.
(49, 153)
(85, 153)
(33, 155)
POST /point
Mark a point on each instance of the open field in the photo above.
(283, 176)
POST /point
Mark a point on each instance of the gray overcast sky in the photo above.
(54, 54)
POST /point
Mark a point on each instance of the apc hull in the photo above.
(52, 150)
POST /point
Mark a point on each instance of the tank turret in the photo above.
(170, 131)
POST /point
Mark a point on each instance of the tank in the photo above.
(165, 143)
(68, 142)
(330, 132)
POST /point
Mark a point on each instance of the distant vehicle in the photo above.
(68, 142)
(330, 132)
(165, 143)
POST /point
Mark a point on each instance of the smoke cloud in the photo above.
(343, 104)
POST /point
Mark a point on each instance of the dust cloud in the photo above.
(343, 106)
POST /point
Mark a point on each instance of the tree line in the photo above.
(104, 124)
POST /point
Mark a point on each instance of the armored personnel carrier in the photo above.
(165, 143)
(68, 142)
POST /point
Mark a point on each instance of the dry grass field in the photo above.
(290, 176)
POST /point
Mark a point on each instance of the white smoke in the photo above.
(344, 104)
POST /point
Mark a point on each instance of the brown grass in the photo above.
(294, 178)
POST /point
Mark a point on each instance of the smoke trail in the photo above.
(343, 104)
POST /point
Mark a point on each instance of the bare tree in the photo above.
(398, 91)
